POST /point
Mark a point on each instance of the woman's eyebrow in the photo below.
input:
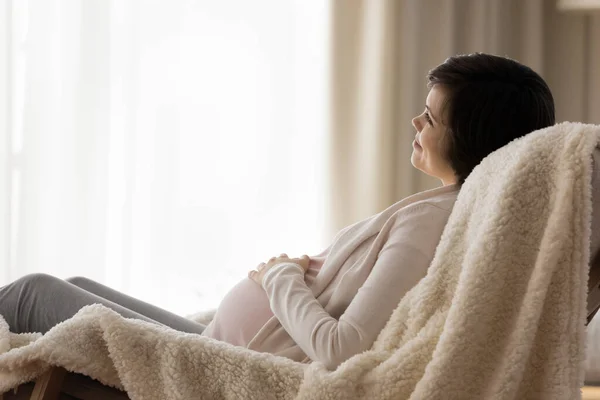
(430, 113)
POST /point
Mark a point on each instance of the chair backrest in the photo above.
(593, 298)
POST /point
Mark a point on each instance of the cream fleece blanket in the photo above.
(500, 314)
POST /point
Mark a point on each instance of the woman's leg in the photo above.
(37, 302)
(158, 314)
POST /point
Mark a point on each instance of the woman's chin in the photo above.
(414, 159)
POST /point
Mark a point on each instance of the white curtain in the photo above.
(161, 147)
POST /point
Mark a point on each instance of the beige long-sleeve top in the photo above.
(339, 311)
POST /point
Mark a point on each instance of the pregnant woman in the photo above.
(331, 306)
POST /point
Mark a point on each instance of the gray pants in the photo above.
(37, 302)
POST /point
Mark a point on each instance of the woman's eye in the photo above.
(428, 118)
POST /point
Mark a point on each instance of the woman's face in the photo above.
(429, 147)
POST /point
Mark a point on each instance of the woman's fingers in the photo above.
(257, 274)
(304, 262)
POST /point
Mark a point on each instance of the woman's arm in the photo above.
(401, 263)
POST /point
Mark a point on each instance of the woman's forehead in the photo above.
(436, 99)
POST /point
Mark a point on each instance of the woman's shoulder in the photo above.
(445, 201)
(421, 213)
(433, 204)
(442, 198)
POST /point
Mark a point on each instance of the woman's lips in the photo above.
(416, 143)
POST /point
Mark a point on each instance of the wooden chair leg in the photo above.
(48, 386)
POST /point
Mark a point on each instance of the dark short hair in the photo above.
(490, 101)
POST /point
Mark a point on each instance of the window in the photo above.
(164, 147)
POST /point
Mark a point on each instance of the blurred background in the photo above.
(166, 147)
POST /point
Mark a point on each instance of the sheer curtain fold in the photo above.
(382, 52)
(59, 136)
(5, 127)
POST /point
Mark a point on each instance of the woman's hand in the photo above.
(258, 274)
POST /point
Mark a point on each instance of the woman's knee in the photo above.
(37, 277)
(78, 280)
(37, 280)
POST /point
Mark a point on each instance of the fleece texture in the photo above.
(500, 314)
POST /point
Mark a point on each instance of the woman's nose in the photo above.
(416, 123)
